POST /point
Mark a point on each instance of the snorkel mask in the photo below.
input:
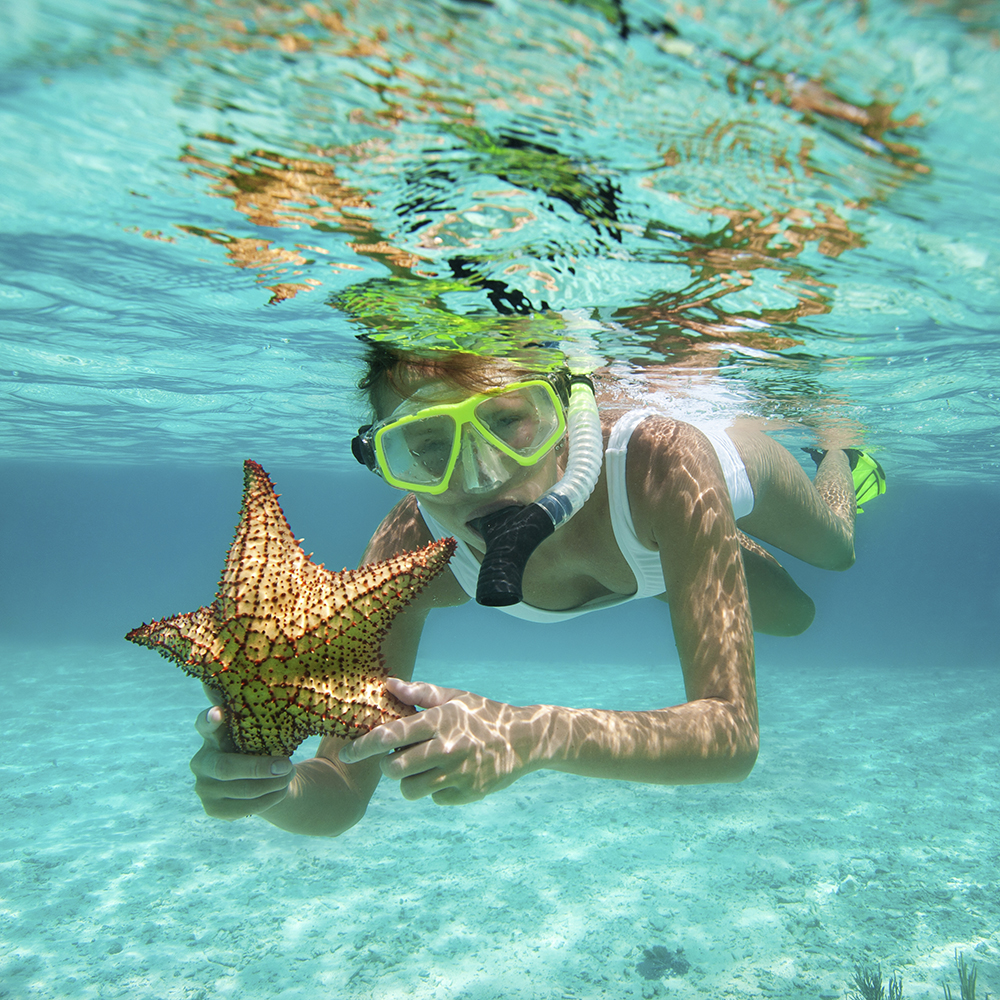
(418, 446)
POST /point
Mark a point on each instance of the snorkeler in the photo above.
(480, 447)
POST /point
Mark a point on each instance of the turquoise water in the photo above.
(779, 211)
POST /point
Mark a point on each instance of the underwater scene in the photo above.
(778, 215)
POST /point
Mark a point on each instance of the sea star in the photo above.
(292, 648)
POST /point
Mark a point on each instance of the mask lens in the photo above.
(523, 419)
(419, 451)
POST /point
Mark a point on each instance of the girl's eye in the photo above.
(426, 448)
(432, 452)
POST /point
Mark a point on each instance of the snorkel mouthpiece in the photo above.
(511, 535)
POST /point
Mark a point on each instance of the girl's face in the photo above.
(484, 480)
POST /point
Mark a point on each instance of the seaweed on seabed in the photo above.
(659, 960)
(868, 984)
(967, 973)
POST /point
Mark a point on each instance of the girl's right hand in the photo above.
(232, 785)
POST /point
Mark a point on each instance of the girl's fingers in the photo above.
(419, 693)
(208, 723)
(386, 738)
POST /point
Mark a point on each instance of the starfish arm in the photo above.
(190, 640)
(369, 598)
(265, 560)
(281, 692)
(265, 717)
(267, 570)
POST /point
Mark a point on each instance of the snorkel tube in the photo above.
(512, 534)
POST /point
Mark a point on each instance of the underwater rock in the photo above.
(848, 887)
(660, 961)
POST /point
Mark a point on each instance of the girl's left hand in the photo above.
(460, 749)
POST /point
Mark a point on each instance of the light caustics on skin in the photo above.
(711, 738)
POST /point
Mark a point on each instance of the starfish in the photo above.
(292, 648)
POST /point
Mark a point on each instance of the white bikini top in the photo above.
(644, 563)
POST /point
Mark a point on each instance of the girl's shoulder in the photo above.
(657, 435)
(671, 470)
(401, 530)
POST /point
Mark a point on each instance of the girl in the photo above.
(469, 437)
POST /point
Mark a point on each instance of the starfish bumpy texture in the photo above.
(294, 649)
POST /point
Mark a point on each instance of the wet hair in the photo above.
(401, 372)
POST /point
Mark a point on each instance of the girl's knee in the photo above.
(840, 558)
(791, 618)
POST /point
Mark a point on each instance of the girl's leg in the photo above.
(813, 521)
(778, 605)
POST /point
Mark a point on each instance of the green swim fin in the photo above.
(869, 476)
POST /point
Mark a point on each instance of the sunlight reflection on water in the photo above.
(783, 207)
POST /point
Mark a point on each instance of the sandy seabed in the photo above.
(868, 832)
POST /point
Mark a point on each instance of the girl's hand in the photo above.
(232, 785)
(460, 749)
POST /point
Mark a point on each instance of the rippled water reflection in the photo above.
(785, 209)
